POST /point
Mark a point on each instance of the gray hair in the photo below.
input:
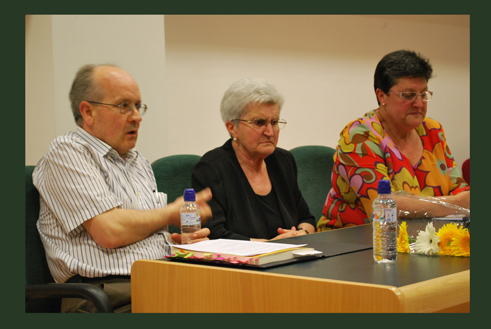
(248, 91)
(84, 87)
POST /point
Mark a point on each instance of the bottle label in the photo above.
(385, 214)
(191, 219)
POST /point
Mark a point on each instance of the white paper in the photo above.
(237, 247)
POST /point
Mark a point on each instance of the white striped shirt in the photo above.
(79, 178)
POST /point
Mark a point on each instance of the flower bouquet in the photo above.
(450, 240)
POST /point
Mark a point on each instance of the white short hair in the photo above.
(248, 91)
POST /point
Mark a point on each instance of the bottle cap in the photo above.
(384, 187)
(189, 195)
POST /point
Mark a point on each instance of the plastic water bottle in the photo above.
(384, 221)
(190, 216)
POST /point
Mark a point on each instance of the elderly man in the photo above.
(100, 211)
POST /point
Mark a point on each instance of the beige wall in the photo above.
(58, 45)
(322, 64)
(40, 99)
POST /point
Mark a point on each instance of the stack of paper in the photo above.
(241, 251)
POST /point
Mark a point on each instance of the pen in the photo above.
(156, 196)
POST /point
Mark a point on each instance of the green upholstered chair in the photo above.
(314, 164)
(43, 295)
(173, 175)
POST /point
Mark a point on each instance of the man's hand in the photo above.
(121, 227)
(202, 198)
(198, 236)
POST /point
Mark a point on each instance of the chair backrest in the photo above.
(37, 270)
(173, 175)
(314, 164)
(466, 171)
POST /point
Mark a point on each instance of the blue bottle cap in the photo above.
(189, 195)
(384, 187)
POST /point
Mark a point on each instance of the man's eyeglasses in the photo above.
(261, 123)
(126, 108)
(411, 96)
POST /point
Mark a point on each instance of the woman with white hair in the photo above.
(254, 183)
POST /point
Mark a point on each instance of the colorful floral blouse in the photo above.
(365, 155)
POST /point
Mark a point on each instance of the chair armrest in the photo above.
(71, 290)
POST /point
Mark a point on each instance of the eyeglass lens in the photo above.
(260, 123)
(127, 108)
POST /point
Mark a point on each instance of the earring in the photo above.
(235, 139)
(383, 104)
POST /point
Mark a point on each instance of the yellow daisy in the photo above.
(446, 234)
(461, 243)
(403, 239)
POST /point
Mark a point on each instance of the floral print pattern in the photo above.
(365, 155)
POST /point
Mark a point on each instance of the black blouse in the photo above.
(238, 212)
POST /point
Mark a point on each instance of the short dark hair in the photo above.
(399, 64)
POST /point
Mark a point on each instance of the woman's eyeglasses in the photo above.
(411, 96)
(261, 123)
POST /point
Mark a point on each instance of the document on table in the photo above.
(237, 247)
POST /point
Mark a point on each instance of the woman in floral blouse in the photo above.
(397, 141)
